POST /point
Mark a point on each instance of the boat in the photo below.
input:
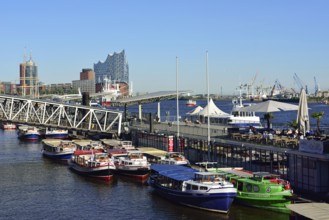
(235, 118)
(59, 150)
(9, 126)
(93, 164)
(133, 164)
(260, 189)
(29, 133)
(57, 133)
(190, 103)
(111, 92)
(242, 119)
(187, 186)
(174, 158)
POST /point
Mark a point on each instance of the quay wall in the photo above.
(307, 173)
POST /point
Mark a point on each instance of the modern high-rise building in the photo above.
(115, 68)
(28, 78)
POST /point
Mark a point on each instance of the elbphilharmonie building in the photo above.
(115, 68)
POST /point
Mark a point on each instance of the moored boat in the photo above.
(260, 189)
(92, 164)
(59, 150)
(8, 126)
(174, 158)
(57, 133)
(189, 187)
(190, 103)
(133, 164)
(29, 133)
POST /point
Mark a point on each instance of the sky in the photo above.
(169, 39)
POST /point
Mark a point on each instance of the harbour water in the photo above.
(34, 187)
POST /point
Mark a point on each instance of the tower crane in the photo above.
(301, 85)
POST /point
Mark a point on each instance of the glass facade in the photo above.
(114, 67)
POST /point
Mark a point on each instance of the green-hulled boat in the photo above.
(257, 189)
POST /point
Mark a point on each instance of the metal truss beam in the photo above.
(53, 114)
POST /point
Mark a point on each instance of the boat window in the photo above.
(256, 188)
(194, 187)
(203, 188)
(248, 187)
(188, 187)
(240, 186)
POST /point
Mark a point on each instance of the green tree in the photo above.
(293, 124)
(268, 117)
(318, 116)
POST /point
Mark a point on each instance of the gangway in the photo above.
(46, 113)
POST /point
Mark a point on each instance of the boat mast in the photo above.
(208, 125)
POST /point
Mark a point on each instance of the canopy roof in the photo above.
(213, 110)
(195, 111)
(270, 106)
(180, 173)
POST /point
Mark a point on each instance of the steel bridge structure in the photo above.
(44, 113)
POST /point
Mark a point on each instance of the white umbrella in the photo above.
(269, 106)
(303, 119)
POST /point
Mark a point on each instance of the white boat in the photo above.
(190, 103)
(59, 150)
(175, 158)
(111, 92)
(57, 133)
(8, 126)
(133, 164)
(29, 133)
(186, 186)
(92, 164)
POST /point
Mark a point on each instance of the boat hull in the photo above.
(137, 173)
(277, 204)
(217, 202)
(56, 136)
(103, 173)
(57, 156)
(30, 136)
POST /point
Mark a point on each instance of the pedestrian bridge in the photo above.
(36, 112)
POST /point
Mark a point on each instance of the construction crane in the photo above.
(301, 85)
(316, 87)
(276, 89)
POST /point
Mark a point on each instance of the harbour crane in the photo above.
(301, 85)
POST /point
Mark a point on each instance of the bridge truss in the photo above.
(53, 114)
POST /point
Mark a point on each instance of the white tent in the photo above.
(213, 110)
(195, 111)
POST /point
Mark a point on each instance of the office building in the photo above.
(87, 74)
(28, 78)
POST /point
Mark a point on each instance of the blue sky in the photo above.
(274, 39)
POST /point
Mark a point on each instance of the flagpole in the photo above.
(177, 101)
(208, 125)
